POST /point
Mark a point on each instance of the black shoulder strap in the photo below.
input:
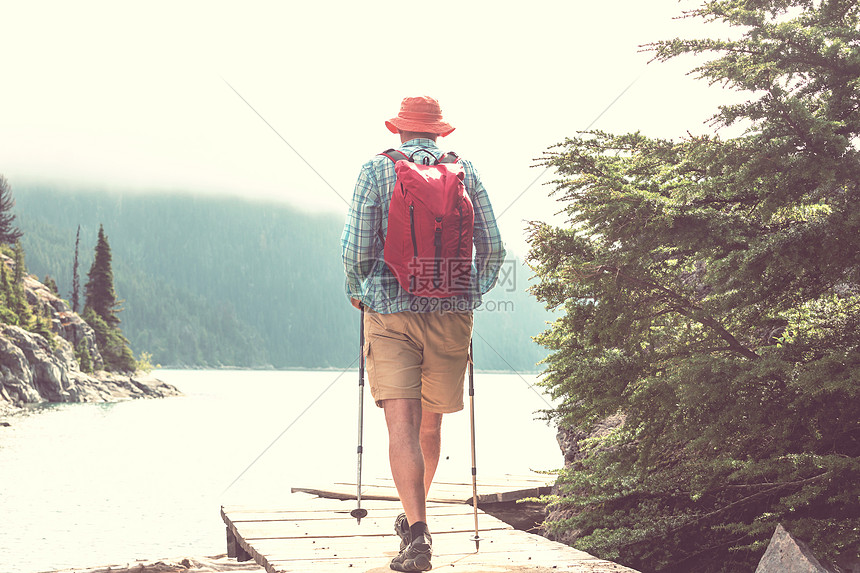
(449, 157)
(395, 155)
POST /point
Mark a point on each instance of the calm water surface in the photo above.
(84, 485)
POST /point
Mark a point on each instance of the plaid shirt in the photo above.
(368, 278)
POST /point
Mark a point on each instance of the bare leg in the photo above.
(431, 446)
(404, 420)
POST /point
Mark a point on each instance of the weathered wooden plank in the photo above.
(232, 545)
(379, 521)
(445, 487)
(491, 489)
(258, 531)
(508, 542)
(501, 481)
(243, 550)
(324, 508)
(310, 535)
(375, 492)
(440, 493)
(506, 551)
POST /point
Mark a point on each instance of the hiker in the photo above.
(416, 347)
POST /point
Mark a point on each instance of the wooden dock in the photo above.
(501, 489)
(308, 534)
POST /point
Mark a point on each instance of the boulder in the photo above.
(571, 441)
(66, 324)
(16, 378)
(33, 369)
(785, 554)
(32, 372)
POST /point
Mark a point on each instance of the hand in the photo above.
(356, 303)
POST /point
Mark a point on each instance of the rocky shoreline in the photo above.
(35, 370)
(216, 564)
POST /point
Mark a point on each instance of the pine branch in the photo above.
(748, 499)
(684, 308)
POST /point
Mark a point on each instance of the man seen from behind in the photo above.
(416, 347)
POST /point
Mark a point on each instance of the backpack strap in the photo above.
(395, 155)
(426, 160)
(449, 157)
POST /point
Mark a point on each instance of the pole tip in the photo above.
(358, 513)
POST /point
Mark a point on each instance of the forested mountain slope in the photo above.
(224, 282)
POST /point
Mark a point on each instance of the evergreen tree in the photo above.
(51, 284)
(7, 314)
(19, 264)
(76, 281)
(41, 324)
(113, 346)
(100, 294)
(82, 353)
(9, 233)
(102, 307)
(711, 296)
(18, 300)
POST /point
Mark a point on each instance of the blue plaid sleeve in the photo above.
(359, 241)
(489, 248)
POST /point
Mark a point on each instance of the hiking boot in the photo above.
(416, 555)
(401, 528)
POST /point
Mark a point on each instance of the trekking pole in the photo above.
(358, 512)
(476, 538)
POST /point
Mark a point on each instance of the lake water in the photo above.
(83, 485)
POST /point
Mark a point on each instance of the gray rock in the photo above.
(33, 367)
(785, 554)
(34, 370)
(16, 378)
(66, 324)
(570, 441)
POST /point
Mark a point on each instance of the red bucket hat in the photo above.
(421, 114)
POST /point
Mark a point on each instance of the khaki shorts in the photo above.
(418, 355)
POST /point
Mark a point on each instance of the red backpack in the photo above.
(428, 246)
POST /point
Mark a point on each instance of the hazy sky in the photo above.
(114, 95)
